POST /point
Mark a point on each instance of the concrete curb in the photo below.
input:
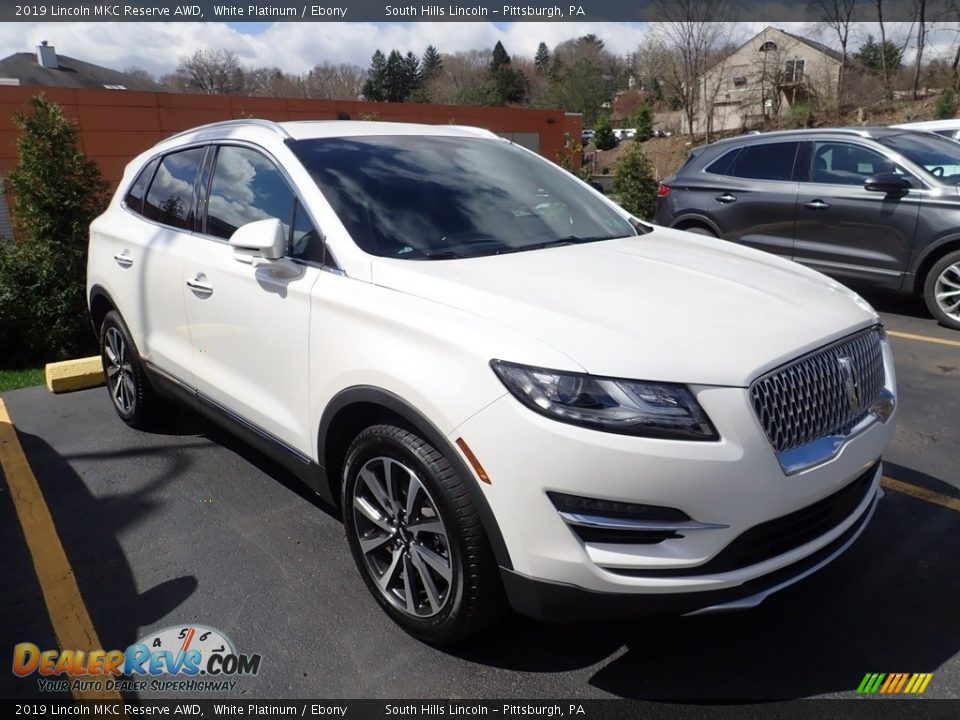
(74, 374)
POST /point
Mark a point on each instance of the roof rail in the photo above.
(258, 122)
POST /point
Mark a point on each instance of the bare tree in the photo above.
(140, 74)
(213, 73)
(461, 71)
(273, 82)
(887, 87)
(920, 7)
(335, 82)
(837, 16)
(690, 43)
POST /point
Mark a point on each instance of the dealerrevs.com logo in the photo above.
(194, 658)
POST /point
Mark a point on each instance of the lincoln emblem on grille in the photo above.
(849, 382)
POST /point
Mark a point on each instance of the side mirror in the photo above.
(263, 239)
(596, 186)
(889, 183)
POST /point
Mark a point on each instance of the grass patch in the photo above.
(14, 379)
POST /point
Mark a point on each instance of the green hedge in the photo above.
(57, 191)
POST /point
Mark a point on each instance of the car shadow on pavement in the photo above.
(888, 301)
(887, 605)
(184, 421)
(89, 529)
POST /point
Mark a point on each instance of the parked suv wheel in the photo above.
(941, 290)
(133, 397)
(416, 538)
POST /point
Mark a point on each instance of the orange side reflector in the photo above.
(481, 473)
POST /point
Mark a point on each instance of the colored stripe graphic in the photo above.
(894, 683)
(871, 682)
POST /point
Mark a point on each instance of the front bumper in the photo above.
(559, 602)
(730, 486)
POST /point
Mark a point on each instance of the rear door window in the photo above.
(769, 161)
(171, 197)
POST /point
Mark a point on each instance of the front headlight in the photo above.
(628, 407)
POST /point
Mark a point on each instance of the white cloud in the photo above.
(296, 47)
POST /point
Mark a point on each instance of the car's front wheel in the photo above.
(941, 290)
(416, 538)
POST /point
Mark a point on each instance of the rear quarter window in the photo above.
(134, 196)
(723, 164)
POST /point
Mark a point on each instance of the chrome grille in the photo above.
(824, 393)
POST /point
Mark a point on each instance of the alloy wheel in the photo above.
(119, 371)
(947, 290)
(402, 538)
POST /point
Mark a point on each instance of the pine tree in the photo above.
(644, 122)
(500, 58)
(510, 84)
(373, 87)
(432, 64)
(634, 182)
(542, 58)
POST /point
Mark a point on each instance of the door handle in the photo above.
(816, 205)
(726, 198)
(200, 288)
(123, 259)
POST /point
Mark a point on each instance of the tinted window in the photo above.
(416, 197)
(841, 163)
(134, 198)
(246, 187)
(770, 161)
(936, 155)
(723, 164)
(304, 240)
(170, 200)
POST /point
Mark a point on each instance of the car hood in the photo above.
(668, 305)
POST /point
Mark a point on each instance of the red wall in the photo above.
(116, 125)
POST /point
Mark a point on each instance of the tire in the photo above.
(130, 391)
(700, 230)
(943, 280)
(438, 539)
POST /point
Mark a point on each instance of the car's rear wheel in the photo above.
(941, 290)
(130, 392)
(416, 538)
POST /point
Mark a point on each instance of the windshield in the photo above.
(937, 155)
(416, 198)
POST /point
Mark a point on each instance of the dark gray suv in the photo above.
(868, 206)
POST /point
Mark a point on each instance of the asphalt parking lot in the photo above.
(188, 526)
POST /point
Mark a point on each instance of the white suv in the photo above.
(514, 390)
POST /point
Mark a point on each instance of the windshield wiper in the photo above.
(439, 255)
(559, 242)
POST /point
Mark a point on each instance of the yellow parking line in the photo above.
(921, 493)
(923, 338)
(68, 613)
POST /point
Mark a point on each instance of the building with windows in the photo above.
(764, 78)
